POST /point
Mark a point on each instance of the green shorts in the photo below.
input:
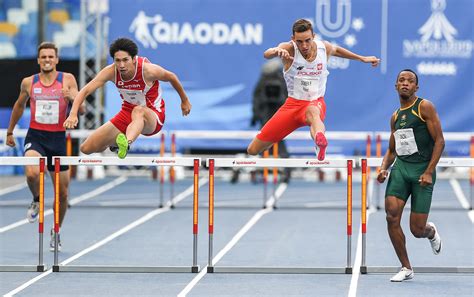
(403, 182)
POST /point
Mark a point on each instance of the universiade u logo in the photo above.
(342, 20)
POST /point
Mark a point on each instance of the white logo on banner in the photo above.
(201, 33)
(338, 30)
(437, 41)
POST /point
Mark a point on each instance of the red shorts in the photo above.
(289, 117)
(124, 117)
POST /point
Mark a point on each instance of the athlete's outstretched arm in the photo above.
(338, 51)
(18, 109)
(154, 72)
(389, 155)
(283, 50)
(102, 77)
(429, 114)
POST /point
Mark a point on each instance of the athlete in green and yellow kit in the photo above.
(416, 142)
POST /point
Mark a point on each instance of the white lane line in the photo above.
(74, 201)
(256, 217)
(99, 190)
(13, 188)
(358, 257)
(28, 283)
(134, 224)
(461, 197)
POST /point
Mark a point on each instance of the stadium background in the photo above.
(216, 48)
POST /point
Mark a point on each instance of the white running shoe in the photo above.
(435, 241)
(51, 242)
(402, 275)
(32, 213)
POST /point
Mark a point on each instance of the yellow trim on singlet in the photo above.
(396, 114)
(410, 105)
(419, 110)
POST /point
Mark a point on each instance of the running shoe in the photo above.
(32, 213)
(435, 241)
(403, 275)
(51, 242)
(122, 144)
(113, 149)
(321, 144)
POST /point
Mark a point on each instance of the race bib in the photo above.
(47, 112)
(135, 97)
(306, 87)
(405, 143)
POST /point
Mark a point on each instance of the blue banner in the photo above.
(216, 49)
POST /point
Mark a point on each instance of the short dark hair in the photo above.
(302, 25)
(47, 44)
(123, 44)
(409, 70)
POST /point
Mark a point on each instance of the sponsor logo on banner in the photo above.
(153, 30)
(437, 40)
(163, 161)
(338, 28)
(89, 161)
(244, 162)
(317, 163)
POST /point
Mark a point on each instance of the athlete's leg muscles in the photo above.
(393, 210)
(144, 121)
(32, 173)
(418, 226)
(313, 116)
(313, 119)
(100, 139)
(257, 146)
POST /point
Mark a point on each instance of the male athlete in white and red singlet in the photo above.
(49, 92)
(305, 70)
(143, 109)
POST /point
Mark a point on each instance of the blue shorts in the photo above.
(48, 144)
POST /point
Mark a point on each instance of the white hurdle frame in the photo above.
(41, 162)
(212, 163)
(364, 269)
(145, 161)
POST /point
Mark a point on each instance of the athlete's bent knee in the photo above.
(252, 150)
(86, 148)
(392, 220)
(417, 231)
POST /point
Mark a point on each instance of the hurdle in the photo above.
(365, 163)
(41, 162)
(144, 161)
(213, 163)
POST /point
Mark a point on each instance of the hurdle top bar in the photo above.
(74, 133)
(448, 136)
(271, 162)
(244, 134)
(129, 161)
(443, 162)
(21, 160)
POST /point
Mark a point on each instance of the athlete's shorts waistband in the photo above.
(291, 98)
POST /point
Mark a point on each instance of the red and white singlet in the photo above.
(136, 92)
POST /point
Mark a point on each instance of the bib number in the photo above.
(405, 143)
(47, 112)
(135, 97)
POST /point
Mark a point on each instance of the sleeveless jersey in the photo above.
(47, 104)
(307, 80)
(413, 142)
(136, 92)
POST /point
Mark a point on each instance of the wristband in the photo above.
(9, 133)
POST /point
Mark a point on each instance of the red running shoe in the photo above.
(321, 144)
